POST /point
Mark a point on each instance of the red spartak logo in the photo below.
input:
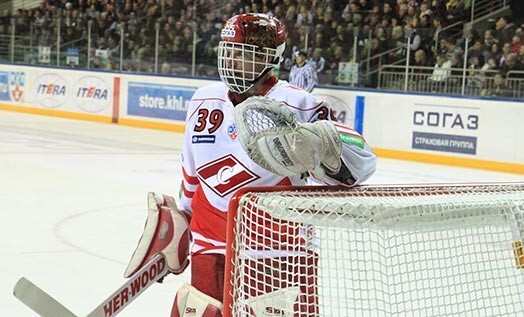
(225, 175)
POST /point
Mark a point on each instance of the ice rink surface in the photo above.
(73, 205)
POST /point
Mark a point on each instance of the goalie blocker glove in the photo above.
(271, 135)
(166, 231)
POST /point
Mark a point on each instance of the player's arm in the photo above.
(190, 181)
(358, 161)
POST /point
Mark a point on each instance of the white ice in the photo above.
(73, 205)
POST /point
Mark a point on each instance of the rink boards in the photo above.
(478, 133)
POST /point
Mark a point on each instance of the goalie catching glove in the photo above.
(166, 231)
(273, 138)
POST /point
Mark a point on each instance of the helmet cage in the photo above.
(241, 65)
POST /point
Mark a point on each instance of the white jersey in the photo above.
(215, 165)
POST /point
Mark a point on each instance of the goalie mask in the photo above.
(250, 46)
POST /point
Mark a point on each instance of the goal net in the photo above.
(435, 250)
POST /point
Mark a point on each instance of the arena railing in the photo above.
(458, 31)
(453, 81)
(482, 8)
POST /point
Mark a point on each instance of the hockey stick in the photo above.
(46, 306)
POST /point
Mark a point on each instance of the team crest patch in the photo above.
(225, 175)
(232, 131)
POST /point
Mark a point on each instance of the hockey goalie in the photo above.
(251, 129)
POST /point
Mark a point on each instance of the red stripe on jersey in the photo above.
(192, 180)
(207, 246)
(300, 109)
(203, 100)
(207, 220)
(187, 193)
(212, 249)
(345, 129)
(196, 108)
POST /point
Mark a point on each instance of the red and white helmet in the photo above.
(251, 44)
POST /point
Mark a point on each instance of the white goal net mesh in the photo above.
(442, 250)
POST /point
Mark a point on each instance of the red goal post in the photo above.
(410, 250)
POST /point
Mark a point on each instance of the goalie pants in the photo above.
(207, 274)
(262, 276)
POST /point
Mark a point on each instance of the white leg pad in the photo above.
(276, 303)
(191, 302)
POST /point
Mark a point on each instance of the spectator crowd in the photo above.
(329, 31)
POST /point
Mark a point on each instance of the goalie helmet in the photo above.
(251, 45)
